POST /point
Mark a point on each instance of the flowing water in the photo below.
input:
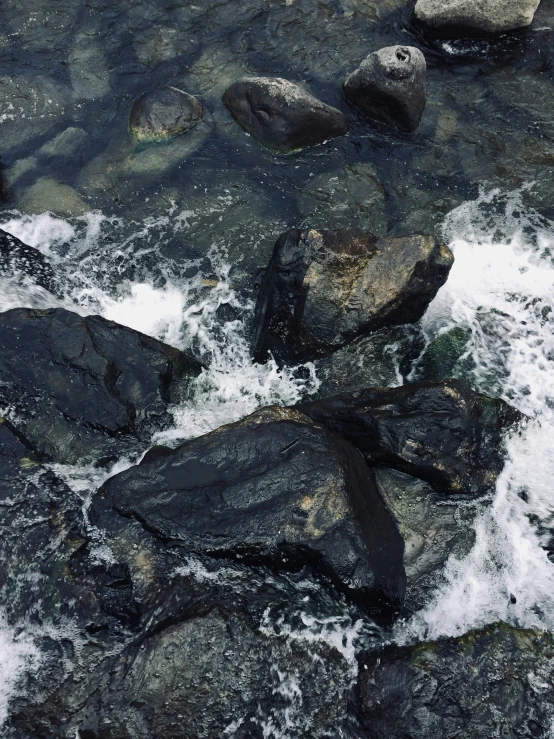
(501, 289)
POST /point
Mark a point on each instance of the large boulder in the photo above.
(84, 388)
(160, 114)
(474, 18)
(282, 115)
(489, 683)
(323, 289)
(20, 260)
(275, 488)
(390, 86)
(443, 433)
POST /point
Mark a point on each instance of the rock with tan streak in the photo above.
(274, 489)
(323, 289)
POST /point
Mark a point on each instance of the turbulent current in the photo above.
(500, 292)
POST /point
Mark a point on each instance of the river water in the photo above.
(500, 291)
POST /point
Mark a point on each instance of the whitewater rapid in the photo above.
(500, 289)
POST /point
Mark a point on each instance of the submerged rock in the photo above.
(323, 289)
(274, 488)
(390, 86)
(86, 388)
(479, 18)
(381, 359)
(19, 260)
(442, 433)
(488, 683)
(162, 113)
(282, 115)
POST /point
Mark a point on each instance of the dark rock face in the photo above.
(485, 683)
(479, 18)
(85, 388)
(442, 433)
(162, 113)
(274, 487)
(18, 259)
(323, 289)
(390, 86)
(281, 115)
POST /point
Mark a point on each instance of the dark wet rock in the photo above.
(443, 433)
(488, 683)
(433, 530)
(323, 289)
(20, 260)
(211, 676)
(86, 388)
(274, 487)
(390, 86)
(282, 115)
(382, 359)
(479, 18)
(162, 113)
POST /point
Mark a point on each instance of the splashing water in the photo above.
(502, 288)
(91, 256)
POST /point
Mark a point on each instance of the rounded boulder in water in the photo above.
(163, 113)
(474, 18)
(281, 115)
(390, 86)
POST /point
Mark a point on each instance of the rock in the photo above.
(442, 433)
(47, 194)
(86, 388)
(274, 488)
(382, 359)
(282, 115)
(323, 289)
(200, 676)
(433, 530)
(390, 86)
(18, 259)
(68, 143)
(488, 683)
(162, 113)
(474, 18)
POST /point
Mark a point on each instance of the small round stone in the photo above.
(163, 113)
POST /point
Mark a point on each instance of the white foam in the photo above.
(502, 288)
(90, 252)
(18, 653)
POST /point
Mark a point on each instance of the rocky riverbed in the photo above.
(276, 366)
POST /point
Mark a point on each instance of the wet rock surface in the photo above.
(434, 528)
(443, 433)
(162, 113)
(323, 289)
(86, 388)
(485, 683)
(475, 17)
(20, 260)
(274, 487)
(282, 115)
(390, 86)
